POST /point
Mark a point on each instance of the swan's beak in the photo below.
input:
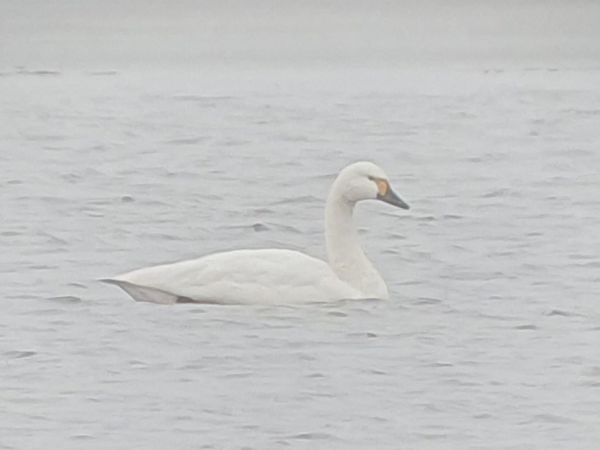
(392, 198)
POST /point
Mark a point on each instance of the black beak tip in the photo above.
(392, 198)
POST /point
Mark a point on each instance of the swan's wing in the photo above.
(240, 276)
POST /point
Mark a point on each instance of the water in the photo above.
(490, 339)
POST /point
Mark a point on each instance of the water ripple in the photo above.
(18, 354)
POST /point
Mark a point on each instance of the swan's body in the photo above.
(279, 276)
(245, 276)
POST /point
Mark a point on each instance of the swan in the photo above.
(274, 276)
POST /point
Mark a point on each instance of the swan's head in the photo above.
(366, 181)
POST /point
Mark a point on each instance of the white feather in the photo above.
(273, 275)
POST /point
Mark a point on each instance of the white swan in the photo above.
(279, 276)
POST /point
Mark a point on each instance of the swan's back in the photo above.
(239, 277)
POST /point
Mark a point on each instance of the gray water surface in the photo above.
(490, 339)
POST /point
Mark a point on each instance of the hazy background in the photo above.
(135, 133)
(61, 34)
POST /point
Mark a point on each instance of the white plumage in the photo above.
(279, 276)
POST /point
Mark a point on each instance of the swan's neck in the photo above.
(345, 254)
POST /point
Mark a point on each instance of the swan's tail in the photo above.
(144, 293)
(152, 295)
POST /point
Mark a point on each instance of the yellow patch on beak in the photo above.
(382, 187)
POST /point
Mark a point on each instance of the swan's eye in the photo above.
(382, 186)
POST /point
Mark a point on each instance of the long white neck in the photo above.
(345, 254)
